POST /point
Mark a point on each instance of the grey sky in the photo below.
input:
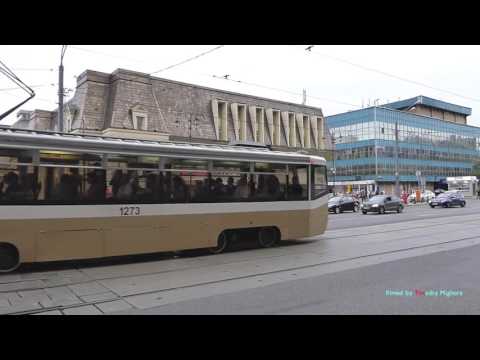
(331, 84)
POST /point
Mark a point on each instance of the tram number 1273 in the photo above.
(130, 211)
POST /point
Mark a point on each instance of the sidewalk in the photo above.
(416, 204)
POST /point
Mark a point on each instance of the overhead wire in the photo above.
(286, 91)
(15, 79)
(214, 76)
(189, 59)
(371, 69)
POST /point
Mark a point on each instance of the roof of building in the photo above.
(366, 114)
(139, 75)
(424, 100)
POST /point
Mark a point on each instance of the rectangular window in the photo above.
(242, 119)
(276, 127)
(297, 182)
(222, 115)
(319, 181)
(141, 124)
(260, 125)
(293, 130)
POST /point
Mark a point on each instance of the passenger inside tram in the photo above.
(242, 191)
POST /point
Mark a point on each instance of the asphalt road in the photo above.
(375, 289)
(412, 212)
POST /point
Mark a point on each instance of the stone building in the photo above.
(136, 105)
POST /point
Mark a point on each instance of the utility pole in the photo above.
(397, 174)
(334, 170)
(61, 92)
(304, 100)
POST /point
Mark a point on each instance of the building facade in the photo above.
(434, 142)
(130, 104)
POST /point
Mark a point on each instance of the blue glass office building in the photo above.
(434, 142)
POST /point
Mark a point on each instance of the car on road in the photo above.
(381, 204)
(339, 204)
(448, 199)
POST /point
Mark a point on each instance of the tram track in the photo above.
(294, 268)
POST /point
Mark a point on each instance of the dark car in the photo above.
(448, 199)
(339, 204)
(381, 204)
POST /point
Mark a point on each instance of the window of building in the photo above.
(260, 125)
(139, 118)
(242, 118)
(276, 127)
(293, 129)
(306, 129)
(219, 109)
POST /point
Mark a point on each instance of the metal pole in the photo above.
(334, 168)
(397, 175)
(61, 90)
(60, 98)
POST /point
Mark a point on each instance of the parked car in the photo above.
(448, 199)
(381, 204)
(428, 195)
(339, 204)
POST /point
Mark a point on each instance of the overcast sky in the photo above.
(337, 78)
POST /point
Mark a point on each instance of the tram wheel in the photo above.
(222, 244)
(9, 257)
(268, 237)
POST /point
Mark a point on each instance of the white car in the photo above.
(427, 195)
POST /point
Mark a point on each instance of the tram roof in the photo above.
(32, 139)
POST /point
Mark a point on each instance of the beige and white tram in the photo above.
(65, 197)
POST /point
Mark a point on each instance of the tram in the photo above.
(68, 197)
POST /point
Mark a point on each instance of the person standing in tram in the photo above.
(242, 191)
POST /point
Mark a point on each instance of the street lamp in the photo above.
(334, 169)
(397, 174)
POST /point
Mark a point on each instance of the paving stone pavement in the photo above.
(53, 312)
(83, 310)
(113, 306)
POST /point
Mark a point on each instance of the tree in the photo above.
(476, 170)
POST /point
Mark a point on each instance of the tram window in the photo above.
(231, 166)
(17, 184)
(268, 187)
(228, 187)
(188, 164)
(319, 181)
(135, 186)
(297, 182)
(269, 167)
(48, 157)
(17, 177)
(64, 185)
(132, 162)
